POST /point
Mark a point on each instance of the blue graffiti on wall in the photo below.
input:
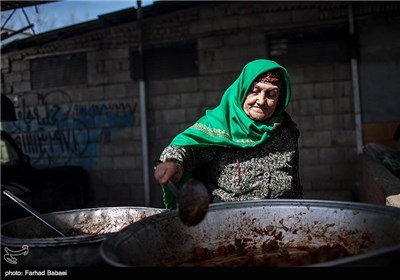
(55, 131)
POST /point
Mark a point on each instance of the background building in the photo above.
(78, 100)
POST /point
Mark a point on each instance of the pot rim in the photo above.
(108, 254)
(68, 240)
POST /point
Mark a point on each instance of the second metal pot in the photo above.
(29, 242)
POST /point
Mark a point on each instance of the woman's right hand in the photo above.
(166, 171)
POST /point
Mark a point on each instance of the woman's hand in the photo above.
(168, 171)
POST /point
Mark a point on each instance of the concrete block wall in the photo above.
(322, 107)
(94, 125)
(106, 116)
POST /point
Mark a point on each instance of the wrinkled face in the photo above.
(261, 100)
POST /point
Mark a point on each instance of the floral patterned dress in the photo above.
(267, 171)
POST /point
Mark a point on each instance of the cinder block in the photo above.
(328, 122)
(225, 23)
(191, 100)
(344, 105)
(193, 114)
(126, 162)
(162, 87)
(304, 123)
(103, 163)
(343, 138)
(213, 98)
(348, 121)
(5, 65)
(210, 42)
(252, 20)
(235, 39)
(306, 107)
(215, 82)
(23, 86)
(344, 171)
(210, 11)
(185, 85)
(326, 89)
(317, 139)
(308, 156)
(20, 65)
(160, 102)
(277, 18)
(114, 91)
(167, 131)
(170, 116)
(331, 155)
(214, 67)
(93, 93)
(302, 16)
(342, 71)
(13, 77)
(303, 91)
(118, 76)
(201, 26)
(317, 172)
(318, 73)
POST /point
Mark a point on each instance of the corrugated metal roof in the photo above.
(161, 8)
(11, 5)
(106, 20)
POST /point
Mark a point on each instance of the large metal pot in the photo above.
(29, 242)
(368, 233)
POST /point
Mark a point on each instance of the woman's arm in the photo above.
(174, 160)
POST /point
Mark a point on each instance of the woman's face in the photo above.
(261, 101)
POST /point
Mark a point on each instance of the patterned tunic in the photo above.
(267, 171)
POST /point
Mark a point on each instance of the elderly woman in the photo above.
(246, 148)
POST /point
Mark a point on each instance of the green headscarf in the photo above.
(227, 125)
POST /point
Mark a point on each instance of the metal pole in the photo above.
(355, 80)
(8, 18)
(35, 213)
(143, 117)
